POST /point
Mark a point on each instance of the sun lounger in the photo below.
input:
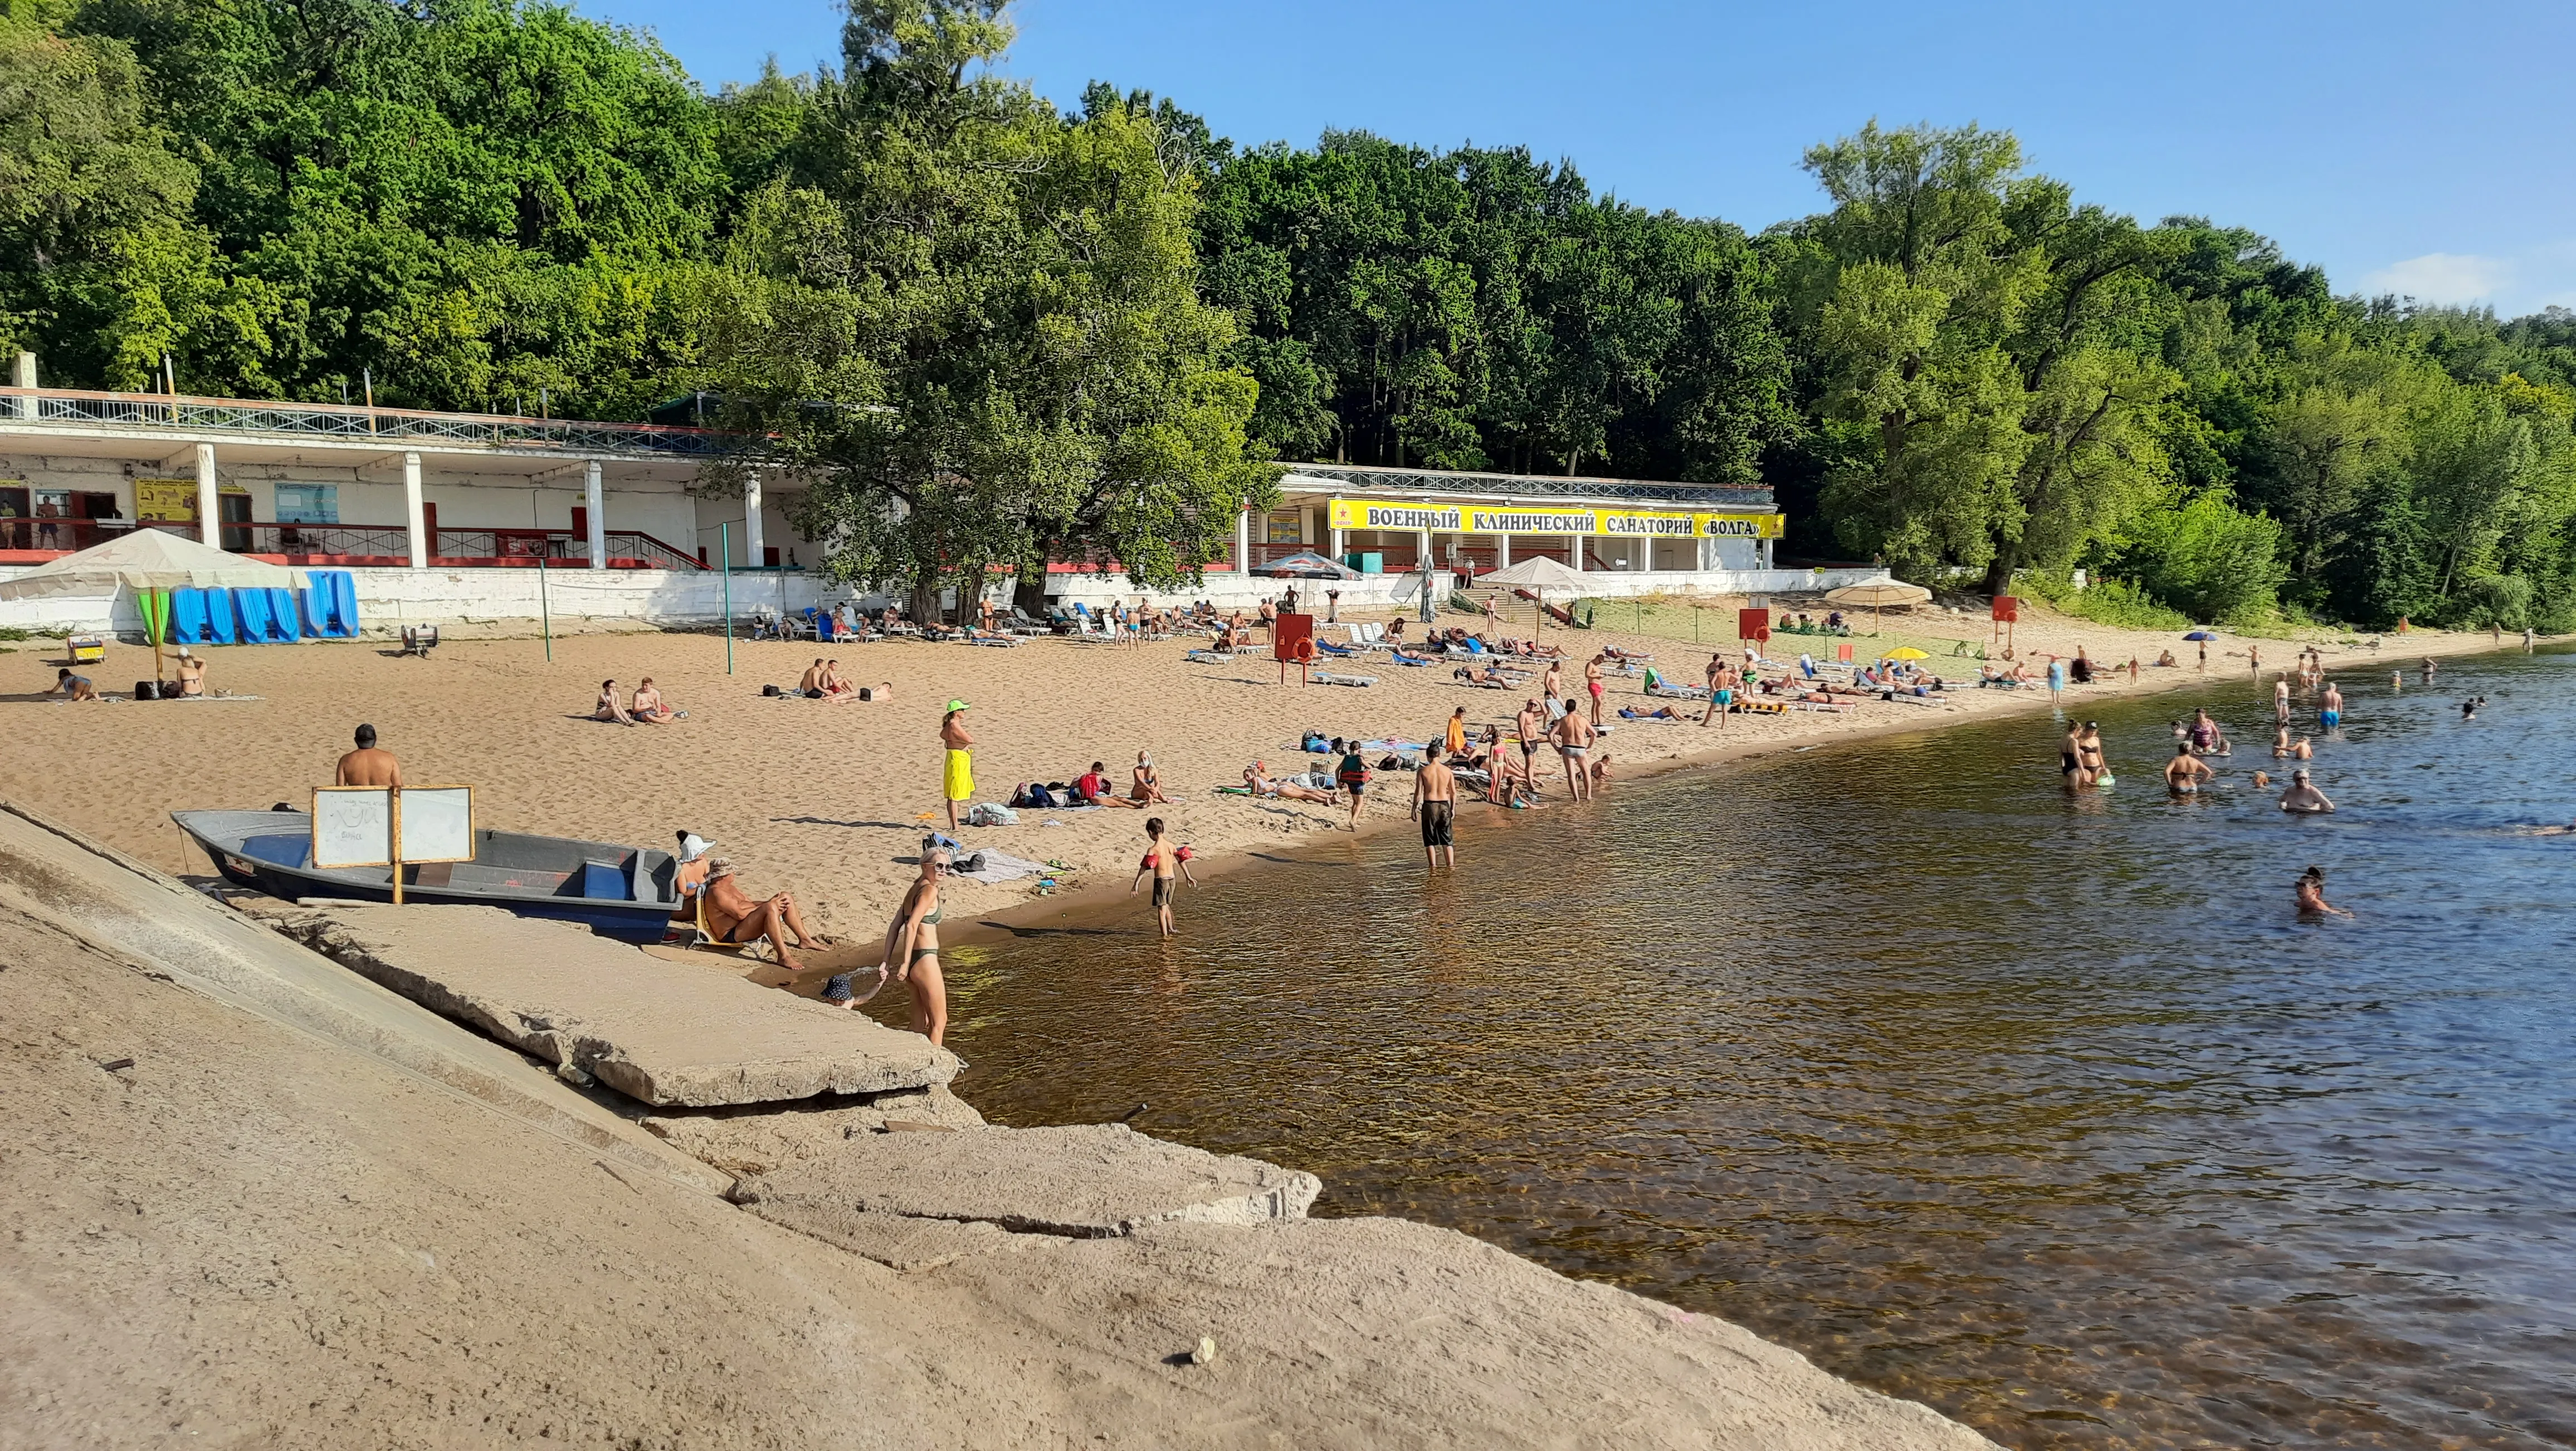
(1209, 657)
(1327, 677)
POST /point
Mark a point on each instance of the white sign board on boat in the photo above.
(352, 825)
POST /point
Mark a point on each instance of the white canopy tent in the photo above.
(1536, 574)
(148, 559)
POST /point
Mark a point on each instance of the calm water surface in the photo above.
(2045, 1111)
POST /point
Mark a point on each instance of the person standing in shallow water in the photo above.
(1435, 805)
(2330, 708)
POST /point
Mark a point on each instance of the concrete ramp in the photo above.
(1089, 1181)
(134, 913)
(671, 1034)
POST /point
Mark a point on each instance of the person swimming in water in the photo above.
(2312, 895)
(2185, 773)
(2469, 708)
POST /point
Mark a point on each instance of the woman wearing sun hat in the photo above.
(959, 778)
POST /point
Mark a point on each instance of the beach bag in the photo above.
(970, 865)
(772, 691)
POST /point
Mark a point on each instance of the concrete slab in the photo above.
(135, 913)
(1380, 1333)
(753, 1139)
(1086, 1181)
(664, 1033)
(898, 1241)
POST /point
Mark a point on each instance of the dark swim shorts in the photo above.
(1436, 820)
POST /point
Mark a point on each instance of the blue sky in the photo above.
(2426, 149)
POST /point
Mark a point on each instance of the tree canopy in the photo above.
(1001, 337)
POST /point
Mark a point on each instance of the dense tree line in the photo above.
(1001, 335)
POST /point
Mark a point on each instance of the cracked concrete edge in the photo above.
(131, 912)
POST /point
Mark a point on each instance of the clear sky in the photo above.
(2425, 148)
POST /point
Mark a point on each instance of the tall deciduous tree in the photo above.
(970, 324)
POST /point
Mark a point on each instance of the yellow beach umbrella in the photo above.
(1906, 652)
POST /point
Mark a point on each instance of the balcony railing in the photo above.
(1363, 478)
(59, 407)
(389, 546)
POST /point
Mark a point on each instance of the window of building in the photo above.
(308, 503)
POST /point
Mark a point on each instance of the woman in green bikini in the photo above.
(912, 948)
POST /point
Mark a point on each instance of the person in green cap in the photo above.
(959, 779)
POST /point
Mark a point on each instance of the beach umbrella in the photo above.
(1878, 594)
(2200, 635)
(1305, 564)
(1535, 574)
(1906, 652)
(149, 562)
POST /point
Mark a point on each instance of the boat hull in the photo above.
(541, 876)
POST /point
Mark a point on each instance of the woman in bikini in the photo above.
(912, 948)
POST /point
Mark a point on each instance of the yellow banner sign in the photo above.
(1616, 523)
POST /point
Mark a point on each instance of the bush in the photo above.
(2206, 558)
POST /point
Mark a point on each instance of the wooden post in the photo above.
(393, 842)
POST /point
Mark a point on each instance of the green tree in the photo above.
(970, 324)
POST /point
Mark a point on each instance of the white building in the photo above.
(446, 516)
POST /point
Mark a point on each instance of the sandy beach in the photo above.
(829, 801)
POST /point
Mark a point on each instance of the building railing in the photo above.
(60, 407)
(1363, 478)
(389, 545)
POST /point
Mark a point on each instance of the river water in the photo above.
(2046, 1111)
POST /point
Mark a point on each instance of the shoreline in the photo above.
(1093, 906)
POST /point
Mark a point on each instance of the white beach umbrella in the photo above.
(146, 561)
(1878, 594)
(1536, 574)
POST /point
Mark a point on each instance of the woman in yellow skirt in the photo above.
(959, 779)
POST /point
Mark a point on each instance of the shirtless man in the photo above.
(2330, 707)
(2185, 774)
(192, 673)
(1592, 685)
(1531, 724)
(2303, 798)
(649, 707)
(1574, 737)
(2430, 665)
(810, 684)
(733, 916)
(77, 687)
(2281, 698)
(2300, 750)
(1435, 805)
(836, 686)
(1551, 682)
(607, 708)
(368, 766)
(2254, 659)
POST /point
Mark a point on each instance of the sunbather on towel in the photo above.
(1261, 784)
(1661, 712)
(1147, 786)
(649, 708)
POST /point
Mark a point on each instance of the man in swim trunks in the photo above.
(2281, 697)
(1435, 805)
(2184, 774)
(1592, 684)
(78, 687)
(810, 684)
(2303, 798)
(957, 776)
(1531, 723)
(733, 916)
(1167, 864)
(1720, 688)
(648, 706)
(1574, 737)
(2331, 714)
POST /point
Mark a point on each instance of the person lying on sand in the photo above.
(648, 706)
(1662, 712)
(607, 707)
(734, 917)
(1256, 777)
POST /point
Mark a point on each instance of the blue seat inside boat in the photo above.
(279, 850)
(605, 881)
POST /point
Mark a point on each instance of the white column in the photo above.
(209, 514)
(412, 516)
(1645, 554)
(1243, 542)
(1502, 551)
(23, 375)
(753, 549)
(1334, 533)
(1577, 541)
(1766, 553)
(1422, 550)
(598, 514)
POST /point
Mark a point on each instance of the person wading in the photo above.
(1435, 805)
